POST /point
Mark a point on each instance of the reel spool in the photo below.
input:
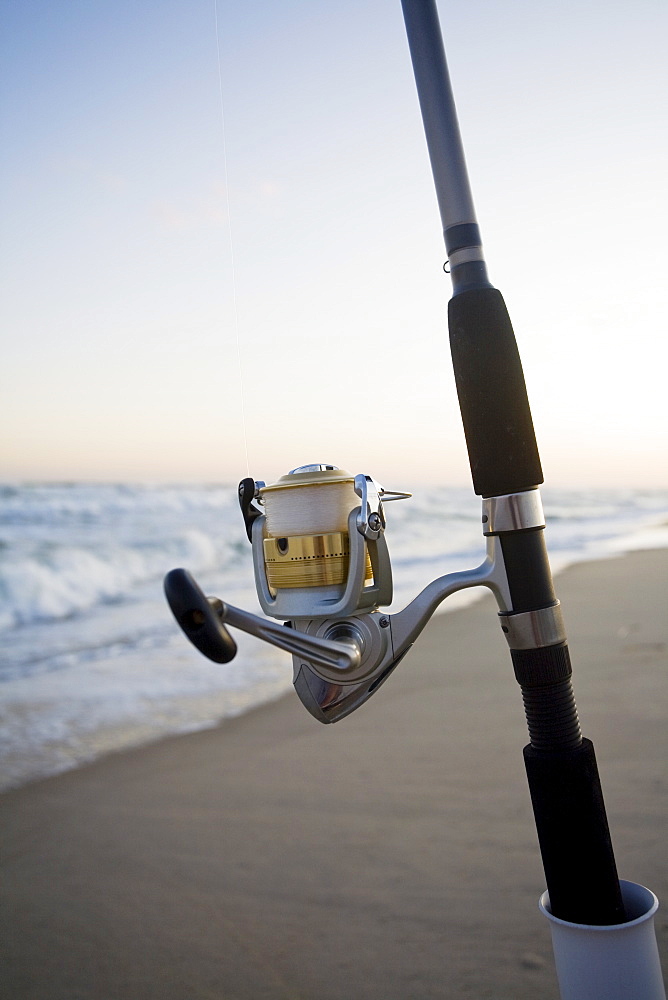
(318, 543)
(307, 543)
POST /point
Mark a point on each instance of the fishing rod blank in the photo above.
(561, 767)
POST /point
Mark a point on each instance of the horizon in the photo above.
(416, 488)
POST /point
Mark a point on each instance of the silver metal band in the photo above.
(465, 256)
(512, 512)
(533, 629)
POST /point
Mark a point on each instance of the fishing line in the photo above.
(309, 510)
(229, 230)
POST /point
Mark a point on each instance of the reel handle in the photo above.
(341, 655)
(203, 620)
(198, 617)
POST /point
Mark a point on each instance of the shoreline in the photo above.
(136, 733)
(392, 854)
(191, 713)
(132, 734)
(97, 664)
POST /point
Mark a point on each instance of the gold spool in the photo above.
(309, 560)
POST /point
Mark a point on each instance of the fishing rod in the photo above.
(573, 833)
(322, 569)
(561, 767)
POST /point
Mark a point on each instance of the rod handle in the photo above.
(573, 834)
(492, 394)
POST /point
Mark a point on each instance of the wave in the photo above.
(52, 582)
(68, 548)
(65, 549)
(91, 659)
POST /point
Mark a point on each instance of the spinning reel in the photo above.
(322, 567)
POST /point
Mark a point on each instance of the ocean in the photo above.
(91, 659)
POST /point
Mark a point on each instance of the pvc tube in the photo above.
(612, 961)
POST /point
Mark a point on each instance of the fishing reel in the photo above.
(322, 567)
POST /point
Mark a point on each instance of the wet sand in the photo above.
(392, 855)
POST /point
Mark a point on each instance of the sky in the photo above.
(221, 253)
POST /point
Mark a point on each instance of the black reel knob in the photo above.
(198, 616)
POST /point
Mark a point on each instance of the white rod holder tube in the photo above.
(611, 962)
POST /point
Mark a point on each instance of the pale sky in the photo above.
(155, 289)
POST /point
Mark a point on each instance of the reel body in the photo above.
(322, 567)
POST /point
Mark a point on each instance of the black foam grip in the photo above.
(574, 837)
(492, 394)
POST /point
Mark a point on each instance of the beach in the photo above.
(392, 855)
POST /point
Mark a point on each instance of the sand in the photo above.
(392, 855)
